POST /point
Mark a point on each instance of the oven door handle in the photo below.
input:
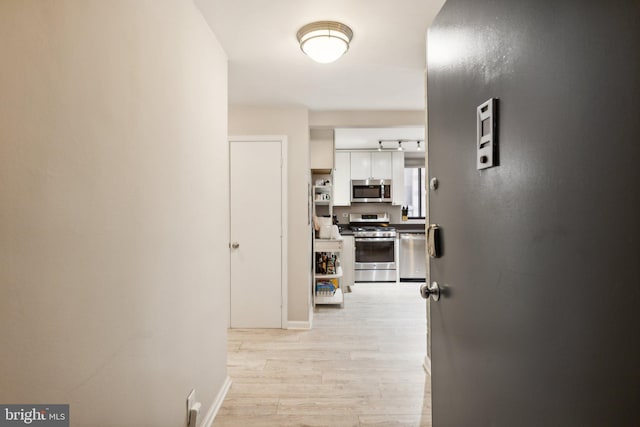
(375, 239)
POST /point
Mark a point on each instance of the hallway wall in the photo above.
(113, 163)
(292, 121)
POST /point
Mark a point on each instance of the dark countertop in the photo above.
(409, 228)
(345, 230)
(401, 228)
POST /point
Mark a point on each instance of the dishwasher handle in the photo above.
(375, 239)
(413, 236)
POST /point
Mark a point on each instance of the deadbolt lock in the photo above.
(434, 240)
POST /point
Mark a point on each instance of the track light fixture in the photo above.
(400, 147)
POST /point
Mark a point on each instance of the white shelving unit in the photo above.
(323, 199)
(323, 196)
(331, 247)
(337, 297)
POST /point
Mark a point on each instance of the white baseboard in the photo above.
(217, 403)
(427, 364)
(299, 325)
(302, 324)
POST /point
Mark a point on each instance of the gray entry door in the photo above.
(539, 324)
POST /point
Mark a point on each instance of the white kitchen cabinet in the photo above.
(342, 179)
(368, 164)
(397, 189)
(348, 259)
(360, 165)
(381, 165)
(321, 149)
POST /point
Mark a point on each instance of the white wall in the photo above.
(294, 122)
(365, 118)
(367, 138)
(113, 248)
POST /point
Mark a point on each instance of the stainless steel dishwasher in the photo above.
(413, 257)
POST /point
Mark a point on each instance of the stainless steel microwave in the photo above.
(370, 190)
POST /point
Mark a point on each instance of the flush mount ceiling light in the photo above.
(324, 41)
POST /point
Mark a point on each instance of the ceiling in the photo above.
(383, 69)
(368, 138)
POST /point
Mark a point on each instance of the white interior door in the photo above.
(256, 234)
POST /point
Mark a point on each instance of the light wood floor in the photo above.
(358, 366)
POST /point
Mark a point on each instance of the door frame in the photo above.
(427, 219)
(284, 270)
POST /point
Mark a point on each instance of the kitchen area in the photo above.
(369, 185)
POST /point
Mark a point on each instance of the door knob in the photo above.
(235, 245)
(432, 291)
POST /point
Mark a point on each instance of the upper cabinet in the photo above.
(371, 165)
(321, 150)
(366, 165)
(360, 165)
(357, 156)
(397, 189)
(381, 166)
(342, 179)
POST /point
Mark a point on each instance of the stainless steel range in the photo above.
(375, 245)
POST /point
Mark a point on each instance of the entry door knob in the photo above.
(235, 245)
(432, 291)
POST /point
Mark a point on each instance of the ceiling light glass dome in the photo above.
(324, 41)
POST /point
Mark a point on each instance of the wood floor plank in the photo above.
(358, 366)
(372, 406)
(249, 406)
(293, 390)
(395, 420)
(288, 421)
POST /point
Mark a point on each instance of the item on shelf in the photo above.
(321, 263)
(325, 288)
(325, 231)
(331, 266)
(323, 227)
(326, 263)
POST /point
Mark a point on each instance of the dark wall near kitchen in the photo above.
(546, 248)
